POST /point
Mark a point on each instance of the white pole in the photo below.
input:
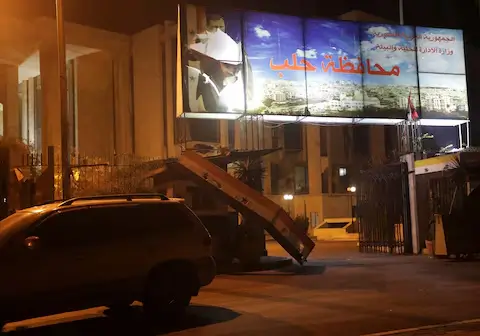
(412, 191)
(400, 11)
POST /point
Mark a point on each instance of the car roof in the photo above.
(25, 217)
(56, 205)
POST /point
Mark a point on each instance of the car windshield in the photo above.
(15, 217)
(8, 224)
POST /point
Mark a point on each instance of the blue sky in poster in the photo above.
(389, 46)
(276, 37)
(272, 37)
(440, 50)
(335, 39)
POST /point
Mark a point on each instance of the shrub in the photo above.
(302, 222)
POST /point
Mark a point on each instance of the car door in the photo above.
(65, 263)
(155, 233)
(129, 254)
(140, 237)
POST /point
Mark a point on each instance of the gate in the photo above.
(384, 210)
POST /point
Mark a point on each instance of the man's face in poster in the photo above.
(214, 23)
(230, 72)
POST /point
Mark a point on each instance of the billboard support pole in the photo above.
(400, 11)
(460, 136)
(468, 134)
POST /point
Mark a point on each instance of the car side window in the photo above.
(165, 217)
(135, 221)
(106, 224)
(72, 228)
(146, 219)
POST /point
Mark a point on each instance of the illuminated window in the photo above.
(301, 180)
(342, 171)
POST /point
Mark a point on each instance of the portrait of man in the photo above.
(215, 69)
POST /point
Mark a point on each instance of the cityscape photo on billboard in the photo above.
(254, 63)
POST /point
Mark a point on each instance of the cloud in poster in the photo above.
(261, 32)
(436, 62)
(447, 81)
(307, 53)
(385, 36)
(411, 68)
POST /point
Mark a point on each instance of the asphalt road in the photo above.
(339, 292)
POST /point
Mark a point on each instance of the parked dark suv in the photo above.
(102, 251)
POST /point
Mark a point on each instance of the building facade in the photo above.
(121, 100)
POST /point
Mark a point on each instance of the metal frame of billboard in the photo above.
(321, 120)
(309, 119)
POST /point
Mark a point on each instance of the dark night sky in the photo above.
(129, 16)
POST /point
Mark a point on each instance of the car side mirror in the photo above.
(32, 242)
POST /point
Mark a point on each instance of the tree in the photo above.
(268, 102)
(251, 172)
(250, 235)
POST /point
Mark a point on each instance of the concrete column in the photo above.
(149, 124)
(252, 133)
(170, 45)
(314, 159)
(123, 103)
(238, 135)
(267, 136)
(267, 161)
(10, 100)
(256, 133)
(31, 111)
(26, 94)
(331, 150)
(224, 133)
(95, 105)
(51, 107)
(260, 133)
(23, 96)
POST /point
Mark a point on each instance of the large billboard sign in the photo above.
(237, 63)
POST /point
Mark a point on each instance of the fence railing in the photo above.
(37, 177)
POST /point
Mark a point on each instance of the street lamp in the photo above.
(352, 189)
(288, 198)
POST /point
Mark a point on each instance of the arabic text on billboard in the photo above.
(262, 63)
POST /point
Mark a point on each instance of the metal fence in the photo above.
(383, 210)
(447, 194)
(36, 178)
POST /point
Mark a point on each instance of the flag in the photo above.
(411, 108)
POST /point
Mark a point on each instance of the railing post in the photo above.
(4, 182)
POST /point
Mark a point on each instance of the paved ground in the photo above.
(339, 292)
